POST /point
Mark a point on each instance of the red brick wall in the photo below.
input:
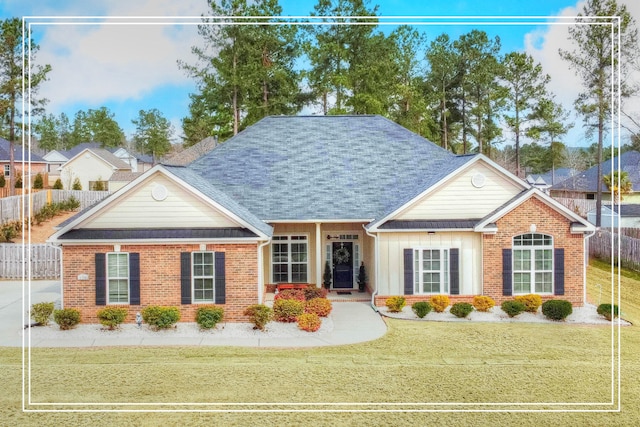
(160, 278)
(547, 221)
(518, 221)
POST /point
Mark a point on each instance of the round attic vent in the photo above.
(159, 192)
(478, 180)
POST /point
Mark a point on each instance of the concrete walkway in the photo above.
(353, 322)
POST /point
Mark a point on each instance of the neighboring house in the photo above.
(92, 166)
(194, 152)
(120, 179)
(57, 158)
(625, 216)
(32, 165)
(584, 185)
(297, 192)
(547, 180)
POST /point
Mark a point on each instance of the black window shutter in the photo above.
(558, 272)
(220, 281)
(454, 271)
(101, 279)
(134, 278)
(507, 277)
(185, 277)
(408, 271)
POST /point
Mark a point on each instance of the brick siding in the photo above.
(160, 278)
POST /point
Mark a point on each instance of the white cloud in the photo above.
(543, 46)
(117, 62)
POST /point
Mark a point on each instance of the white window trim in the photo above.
(289, 263)
(109, 278)
(444, 270)
(532, 270)
(212, 277)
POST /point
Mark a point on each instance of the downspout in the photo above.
(585, 248)
(377, 269)
(260, 271)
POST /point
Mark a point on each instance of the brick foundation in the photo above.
(160, 278)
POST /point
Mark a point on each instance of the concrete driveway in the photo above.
(14, 306)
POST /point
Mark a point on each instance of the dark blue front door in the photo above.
(342, 265)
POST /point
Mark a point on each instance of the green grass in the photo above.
(414, 362)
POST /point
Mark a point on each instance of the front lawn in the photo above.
(414, 362)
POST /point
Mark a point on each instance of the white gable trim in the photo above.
(487, 224)
(373, 227)
(112, 199)
(97, 156)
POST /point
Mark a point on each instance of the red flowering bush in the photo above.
(320, 306)
(296, 294)
(312, 292)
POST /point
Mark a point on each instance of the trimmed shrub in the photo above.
(320, 306)
(67, 318)
(160, 317)
(41, 312)
(312, 292)
(608, 311)
(18, 181)
(439, 303)
(483, 303)
(461, 309)
(259, 315)
(421, 308)
(512, 307)
(395, 304)
(112, 316)
(10, 230)
(296, 294)
(531, 302)
(58, 184)
(70, 204)
(287, 310)
(557, 309)
(309, 322)
(77, 185)
(208, 316)
(38, 182)
(3, 182)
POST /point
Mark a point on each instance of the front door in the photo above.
(342, 265)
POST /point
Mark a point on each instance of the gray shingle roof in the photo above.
(429, 224)
(587, 181)
(325, 167)
(192, 153)
(157, 233)
(5, 153)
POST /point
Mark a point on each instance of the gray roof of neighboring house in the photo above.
(192, 153)
(555, 176)
(325, 167)
(74, 151)
(5, 152)
(626, 210)
(587, 181)
(125, 176)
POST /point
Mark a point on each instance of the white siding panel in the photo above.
(392, 247)
(139, 209)
(86, 167)
(460, 199)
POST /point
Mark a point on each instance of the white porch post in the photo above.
(318, 256)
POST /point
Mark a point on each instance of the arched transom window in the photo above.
(533, 264)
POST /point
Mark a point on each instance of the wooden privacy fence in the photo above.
(43, 259)
(603, 243)
(579, 206)
(12, 208)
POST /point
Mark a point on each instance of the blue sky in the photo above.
(133, 67)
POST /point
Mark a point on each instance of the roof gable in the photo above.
(101, 155)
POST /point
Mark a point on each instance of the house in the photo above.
(27, 169)
(92, 167)
(57, 158)
(547, 180)
(584, 185)
(297, 192)
(625, 216)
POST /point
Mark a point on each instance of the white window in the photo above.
(431, 271)
(289, 256)
(7, 169)
(118, 278)
(202, 276)
(532, 264)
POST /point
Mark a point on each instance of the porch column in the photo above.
(318, 256)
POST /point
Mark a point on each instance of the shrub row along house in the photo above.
(279, 200)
